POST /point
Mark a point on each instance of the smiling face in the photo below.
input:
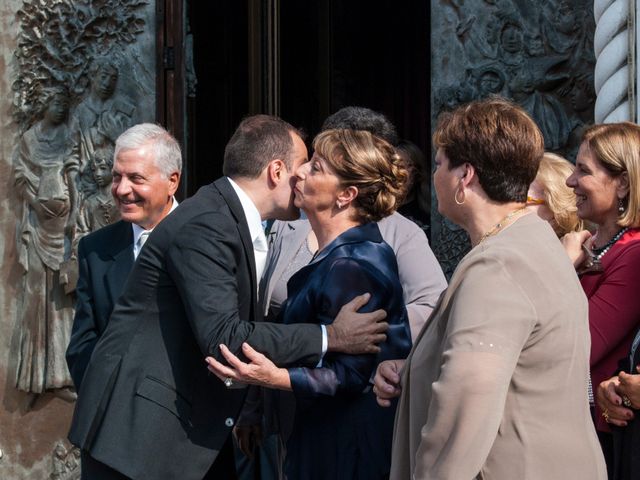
(317, 186)
(142, 192)
(595, 188)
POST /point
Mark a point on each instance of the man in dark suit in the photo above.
(147, 407)
(144, 183)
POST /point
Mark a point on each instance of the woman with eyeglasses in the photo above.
(606, 182)
(551, 199)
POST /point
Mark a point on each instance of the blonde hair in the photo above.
(369, 163)
(552, 176)
(617, 147)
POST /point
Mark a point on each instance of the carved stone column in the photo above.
(612, 74)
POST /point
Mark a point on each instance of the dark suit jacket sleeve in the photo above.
(343, 373)
(84, 334)
(207, 263)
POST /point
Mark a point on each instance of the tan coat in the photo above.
(496, 384)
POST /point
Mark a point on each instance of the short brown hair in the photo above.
(499, 139)
(369, 163)
(617, 147)
(258, 140)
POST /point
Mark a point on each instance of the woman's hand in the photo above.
(629, 389)
(387, 381)
(611, 403)
(572, 243)
(261, 371)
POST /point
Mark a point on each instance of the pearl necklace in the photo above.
(598, 253)
(498, 226)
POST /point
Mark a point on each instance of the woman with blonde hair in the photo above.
(607, 187)
(353, 180)
(550, 197)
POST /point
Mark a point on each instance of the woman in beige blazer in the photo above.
(496, 384)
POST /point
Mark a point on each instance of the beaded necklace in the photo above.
(598, 253)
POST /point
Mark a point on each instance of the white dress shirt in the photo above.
(140, 235)
(256, 230)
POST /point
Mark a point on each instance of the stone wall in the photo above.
(52, 109)
(539, 54)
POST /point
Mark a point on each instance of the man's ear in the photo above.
(275, 170)
(174, 182)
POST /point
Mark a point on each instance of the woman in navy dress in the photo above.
(353, 180)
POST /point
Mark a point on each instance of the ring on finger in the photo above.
(605, 415)
(625, 401)
(228, 382)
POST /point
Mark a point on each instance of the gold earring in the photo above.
(455, 197)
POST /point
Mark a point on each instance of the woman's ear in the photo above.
(622, 190)
(346, 196)
(467, 174)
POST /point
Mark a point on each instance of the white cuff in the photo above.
(325, 344)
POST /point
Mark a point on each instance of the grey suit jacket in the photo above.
(147, 406)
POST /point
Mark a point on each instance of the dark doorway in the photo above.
(326, 54)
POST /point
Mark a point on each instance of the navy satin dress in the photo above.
(339, 431)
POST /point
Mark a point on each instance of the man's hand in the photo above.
(248, 437)
(386, 383)
(357, 333)
(611, 403)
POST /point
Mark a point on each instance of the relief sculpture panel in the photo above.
(539, 54)
(70, 103)
(73, 75)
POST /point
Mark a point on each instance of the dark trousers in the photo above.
(223, 467)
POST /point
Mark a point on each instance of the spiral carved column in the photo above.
(612, 72)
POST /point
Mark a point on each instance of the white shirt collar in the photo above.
(254, 221)
(138, 230)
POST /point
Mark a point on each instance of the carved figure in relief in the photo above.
(99, 209)
(511, 47)
(45, 173)
(544, 108)
(66, 463)
(102, 116)
(489, 81)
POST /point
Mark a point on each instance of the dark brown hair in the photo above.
(499, 139)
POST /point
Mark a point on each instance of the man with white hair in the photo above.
(146, 174)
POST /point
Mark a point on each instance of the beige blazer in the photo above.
(496, 384)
